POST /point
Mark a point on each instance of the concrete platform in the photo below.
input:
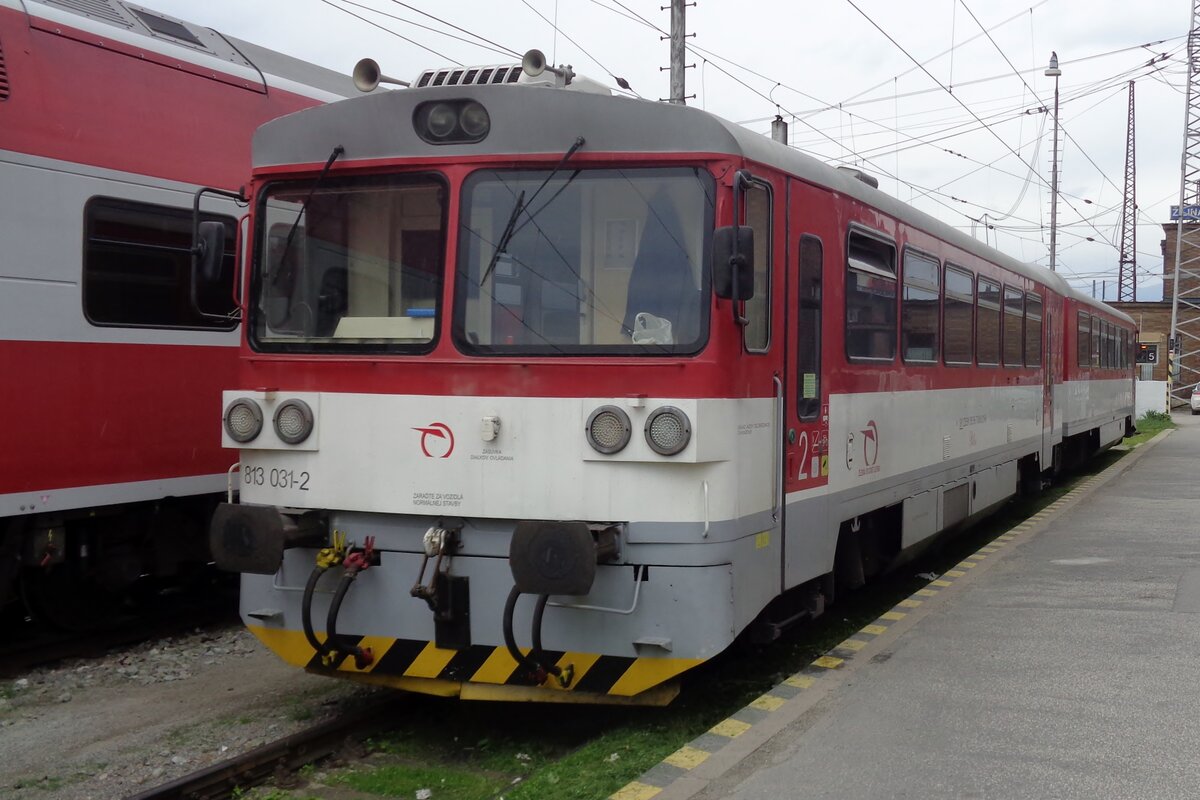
(1066, 666)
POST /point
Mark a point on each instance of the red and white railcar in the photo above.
(111, 116)
(507, 336)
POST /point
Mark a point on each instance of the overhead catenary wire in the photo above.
(387, 30)
(484, 46)
(607, 71)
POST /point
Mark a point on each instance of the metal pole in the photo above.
(1183, 175)
(1054, 71)
(678, 52)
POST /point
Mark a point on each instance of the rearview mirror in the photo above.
(733, 262)
(208, 253)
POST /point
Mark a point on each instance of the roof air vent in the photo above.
(855, 172)
(96, 9)
(167, 27)
(473, 76)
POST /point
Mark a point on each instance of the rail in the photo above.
(289, 754)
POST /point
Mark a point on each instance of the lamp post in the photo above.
(1053, 71)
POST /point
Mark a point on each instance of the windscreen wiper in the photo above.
(287, 245)
(511, 228)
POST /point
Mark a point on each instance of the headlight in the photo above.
(474, 120)
(441, 121)
(293, 421)
(243, 419)
(668, 430)
(608, 430)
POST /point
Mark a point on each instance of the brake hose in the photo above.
(322, 648)
(362, 656)
(529, 662)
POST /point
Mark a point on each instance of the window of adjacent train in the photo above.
(756, 335)
(958, 340)
(137, 267)
(349, 265)
(808, 329)
(596, 261)
(987, 303)
(870, 298)
(1014, 306)
(919, 309)
(1033, 330)
(1083, 335)
(1095, 341)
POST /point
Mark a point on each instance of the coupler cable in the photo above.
(327, 558)
(355, 563)
(532, 663)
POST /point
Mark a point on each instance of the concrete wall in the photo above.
(1150, 396)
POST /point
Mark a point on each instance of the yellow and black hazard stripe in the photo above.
(487, 671)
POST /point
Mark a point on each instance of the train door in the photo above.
(805, 424)
(1051, 375)
(763, 208)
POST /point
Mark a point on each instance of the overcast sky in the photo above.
(983, 149)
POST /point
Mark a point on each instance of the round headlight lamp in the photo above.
(608, 430)
(474, 120)
(293, 421)
(243, 419)
(441, 121)
(668, 430)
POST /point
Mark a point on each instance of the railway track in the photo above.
(281, 757)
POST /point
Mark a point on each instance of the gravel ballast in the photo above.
(97, 729)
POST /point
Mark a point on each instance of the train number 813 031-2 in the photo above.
(275, 478)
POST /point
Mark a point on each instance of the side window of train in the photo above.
(1033, 330)
(987, 302)
(1014, 309)
(870, 298)
(808, 329)
(919, 309)
(1083, 335)
(757, 333)
(137, 267)
(1095, 341)
(958, 340)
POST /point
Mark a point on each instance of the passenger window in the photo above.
(1033, 330)
(919, 309)
(1083, 343)
(870, 298)
(987, 301)
(1014, 309)
(808, 323)
(958, 342)
(137, 267)
(1095, 357)
(757, 333)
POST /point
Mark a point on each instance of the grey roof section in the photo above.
(271, 62)
(538, 119)
(197, 44)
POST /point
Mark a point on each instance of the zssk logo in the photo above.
(437, 440)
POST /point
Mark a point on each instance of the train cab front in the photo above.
(486, 434)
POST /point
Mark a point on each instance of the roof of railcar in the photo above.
(152, 31)
(539, 119)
